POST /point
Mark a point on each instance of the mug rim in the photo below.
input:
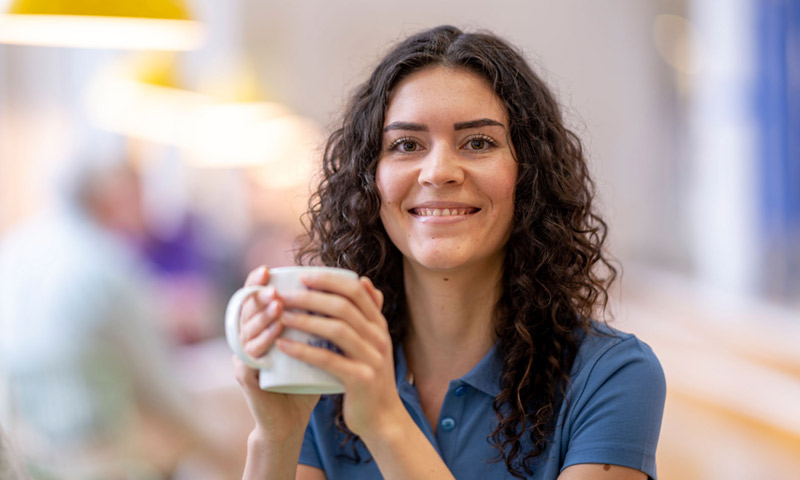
(311, 268)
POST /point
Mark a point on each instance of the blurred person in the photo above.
(190, 281)
(85, 362)
(474, 344)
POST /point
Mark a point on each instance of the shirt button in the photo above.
(461, 390)
(448, 424)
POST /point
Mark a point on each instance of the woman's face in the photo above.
(446, 172)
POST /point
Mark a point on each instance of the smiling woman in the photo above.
(473, 345)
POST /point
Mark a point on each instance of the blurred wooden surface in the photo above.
(733, 378)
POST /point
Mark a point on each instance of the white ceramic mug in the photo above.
(278, 372)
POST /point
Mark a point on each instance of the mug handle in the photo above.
(232, 327)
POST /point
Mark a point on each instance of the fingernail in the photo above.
(309, 277)
(266, 294)
(285, 345)
(288, 316)
(272, 308)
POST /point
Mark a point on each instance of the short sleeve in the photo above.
(309, 454)
(616, 410)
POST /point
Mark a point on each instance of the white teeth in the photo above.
(441, 212)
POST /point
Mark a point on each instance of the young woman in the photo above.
(470, 348)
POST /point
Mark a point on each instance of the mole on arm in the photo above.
(606, 467)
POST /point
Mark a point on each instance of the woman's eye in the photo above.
(408, 146)
(404, 145)
(477, 144)
(480, 143)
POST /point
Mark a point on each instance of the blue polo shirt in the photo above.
(612, 415)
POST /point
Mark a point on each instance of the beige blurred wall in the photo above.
(598, 56)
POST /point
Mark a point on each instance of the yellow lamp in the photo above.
(108, 24)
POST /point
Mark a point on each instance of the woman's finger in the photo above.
(335, 306)
(254, 303)
(259, 300)
(353, 290)
(343, 335)
(246, 376)
(377, 295)
(343, 368)
(257, 276)
(260, 320)
(263, 342)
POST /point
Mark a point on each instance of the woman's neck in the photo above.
(451, 318)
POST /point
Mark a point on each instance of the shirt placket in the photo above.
(450, 422)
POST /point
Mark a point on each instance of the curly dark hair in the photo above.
(556, 275)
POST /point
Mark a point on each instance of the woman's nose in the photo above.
(441, 167)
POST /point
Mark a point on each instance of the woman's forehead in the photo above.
(444, 92)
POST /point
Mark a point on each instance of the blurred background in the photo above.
(147, 164)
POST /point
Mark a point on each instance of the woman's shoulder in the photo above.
(615, 402)
(604, 350)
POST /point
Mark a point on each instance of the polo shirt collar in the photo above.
(485, 376)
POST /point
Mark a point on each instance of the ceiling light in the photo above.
(118, 24)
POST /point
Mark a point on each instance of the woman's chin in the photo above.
(433, 263)
(449, 264)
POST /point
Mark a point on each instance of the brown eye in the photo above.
(405, 145)
(480, 143)
(477, 144)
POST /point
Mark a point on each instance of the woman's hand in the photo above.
(348, 313)
(278, 416)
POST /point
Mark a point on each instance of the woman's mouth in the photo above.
(443, 212)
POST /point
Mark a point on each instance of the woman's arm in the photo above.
(596, 471)
(403, 452)
(270, 458)
(307, 472)
(273, 446)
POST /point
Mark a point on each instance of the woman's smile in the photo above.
(443, 212)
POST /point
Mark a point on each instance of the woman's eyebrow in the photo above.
(483, 122)
(414, 127)
(418, 127)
